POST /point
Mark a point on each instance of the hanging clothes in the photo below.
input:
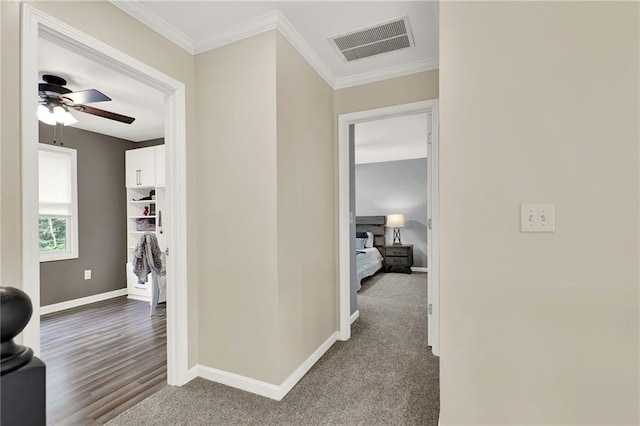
(147, 257)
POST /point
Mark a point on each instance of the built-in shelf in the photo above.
(144, 181)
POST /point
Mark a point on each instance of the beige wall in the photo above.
(132, 38)
(306, 227)
(1, 135)
(394, 91)
(539, 103)
(238, 277)
(265, 124)
(10, 150)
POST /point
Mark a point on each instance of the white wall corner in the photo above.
(259, 387)
(355, 316)
(138, 11)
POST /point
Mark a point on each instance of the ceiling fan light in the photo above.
(45, 115)
(59, 114)
(69, 119)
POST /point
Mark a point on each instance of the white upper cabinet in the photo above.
(140, 167)
(160, 165)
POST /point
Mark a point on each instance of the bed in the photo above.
(368, 259)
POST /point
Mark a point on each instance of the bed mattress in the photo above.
(368, 262)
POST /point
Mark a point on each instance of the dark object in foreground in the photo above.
(22, 376)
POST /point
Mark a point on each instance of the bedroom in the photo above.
(390, 168)
(390, 195)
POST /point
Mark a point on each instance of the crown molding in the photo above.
(156, 23)
(293, 36)
(387, 73)
(258, 25)
(244, 30)
(273, 20)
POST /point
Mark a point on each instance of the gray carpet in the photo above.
(385, 374)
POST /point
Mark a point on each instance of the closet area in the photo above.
(145, 189)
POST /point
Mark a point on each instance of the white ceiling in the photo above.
(198, 26)
(391, 139)
(129, 97)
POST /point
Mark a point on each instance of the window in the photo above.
(58, 203)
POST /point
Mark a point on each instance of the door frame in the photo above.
(344, 214)
(36, 24)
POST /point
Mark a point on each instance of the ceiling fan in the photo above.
(56, 100)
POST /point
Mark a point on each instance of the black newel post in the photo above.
(22, 376)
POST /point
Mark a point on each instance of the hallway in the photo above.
(385, 374)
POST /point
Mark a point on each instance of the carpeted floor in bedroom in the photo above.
(385, 374)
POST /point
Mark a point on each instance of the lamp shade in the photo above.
(53, 115)
(395, 220)
(69, 119)
(46, 116)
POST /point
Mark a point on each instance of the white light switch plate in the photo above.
(87, 274)
(537, 218)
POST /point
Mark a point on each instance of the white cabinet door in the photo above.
(140, 167)
(160, 165)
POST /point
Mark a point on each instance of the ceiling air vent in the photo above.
(374, 40)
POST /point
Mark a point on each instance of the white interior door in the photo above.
(433, 276)
(161, 221)
(429, 233)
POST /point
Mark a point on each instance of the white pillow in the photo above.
(360, 243)
(369, 242)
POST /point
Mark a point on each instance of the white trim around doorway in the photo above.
(37, 24)
(345, 216)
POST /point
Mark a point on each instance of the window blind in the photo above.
(56, 182)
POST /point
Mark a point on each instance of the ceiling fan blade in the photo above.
(105, 114)
(86, 96)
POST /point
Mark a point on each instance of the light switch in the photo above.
(87, 274)
(537, 218)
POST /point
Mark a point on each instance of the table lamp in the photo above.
(396, 221)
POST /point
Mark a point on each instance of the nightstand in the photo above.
(398, 256)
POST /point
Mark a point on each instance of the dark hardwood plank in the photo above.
(102, 359)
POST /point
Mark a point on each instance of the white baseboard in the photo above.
(193, 373)
(355, 316)
(239, 382)
(140, 298)
(419, 269)
(295, 377)
(56, 307)
(259, 387)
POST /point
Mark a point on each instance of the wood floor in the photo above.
(102, 359)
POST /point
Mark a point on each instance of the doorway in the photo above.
(35, 25)
(346, 216)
